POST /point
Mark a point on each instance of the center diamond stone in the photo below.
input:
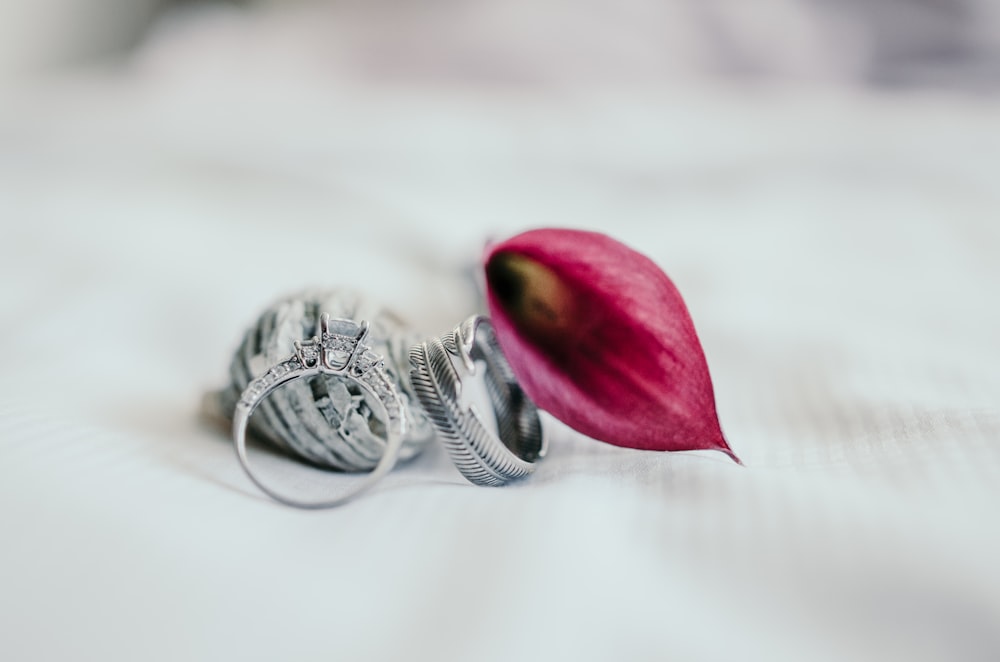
(340, 341)
(343, 327)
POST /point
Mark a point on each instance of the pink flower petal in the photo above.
(600, 338)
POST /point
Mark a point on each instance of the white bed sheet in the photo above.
(838, 251)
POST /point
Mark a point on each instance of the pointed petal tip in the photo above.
(732, 456)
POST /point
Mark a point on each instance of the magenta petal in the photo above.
(600, 338)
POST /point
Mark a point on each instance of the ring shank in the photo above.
(516, 415)
(385, 402)
(438, 368)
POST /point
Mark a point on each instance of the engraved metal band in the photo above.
(338, 349)
(439, 368)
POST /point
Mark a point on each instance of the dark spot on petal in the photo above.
(537, 301)
(505, 280)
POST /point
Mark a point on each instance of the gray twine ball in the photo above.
(325, 420)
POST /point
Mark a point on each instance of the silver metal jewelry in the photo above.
(339, 349)
(440, 368)
(325, 421)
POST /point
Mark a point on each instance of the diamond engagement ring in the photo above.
(338, 349)
(441, 372)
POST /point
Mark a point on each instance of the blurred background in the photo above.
(179, 117)
(892, 43)
(818, 177)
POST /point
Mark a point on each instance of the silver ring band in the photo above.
(338, 349)
(439, 368)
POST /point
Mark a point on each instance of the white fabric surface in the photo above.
(838, 251)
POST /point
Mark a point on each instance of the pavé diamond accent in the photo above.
(340, 344)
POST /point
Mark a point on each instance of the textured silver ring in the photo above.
(440, 368)
(338, 349)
